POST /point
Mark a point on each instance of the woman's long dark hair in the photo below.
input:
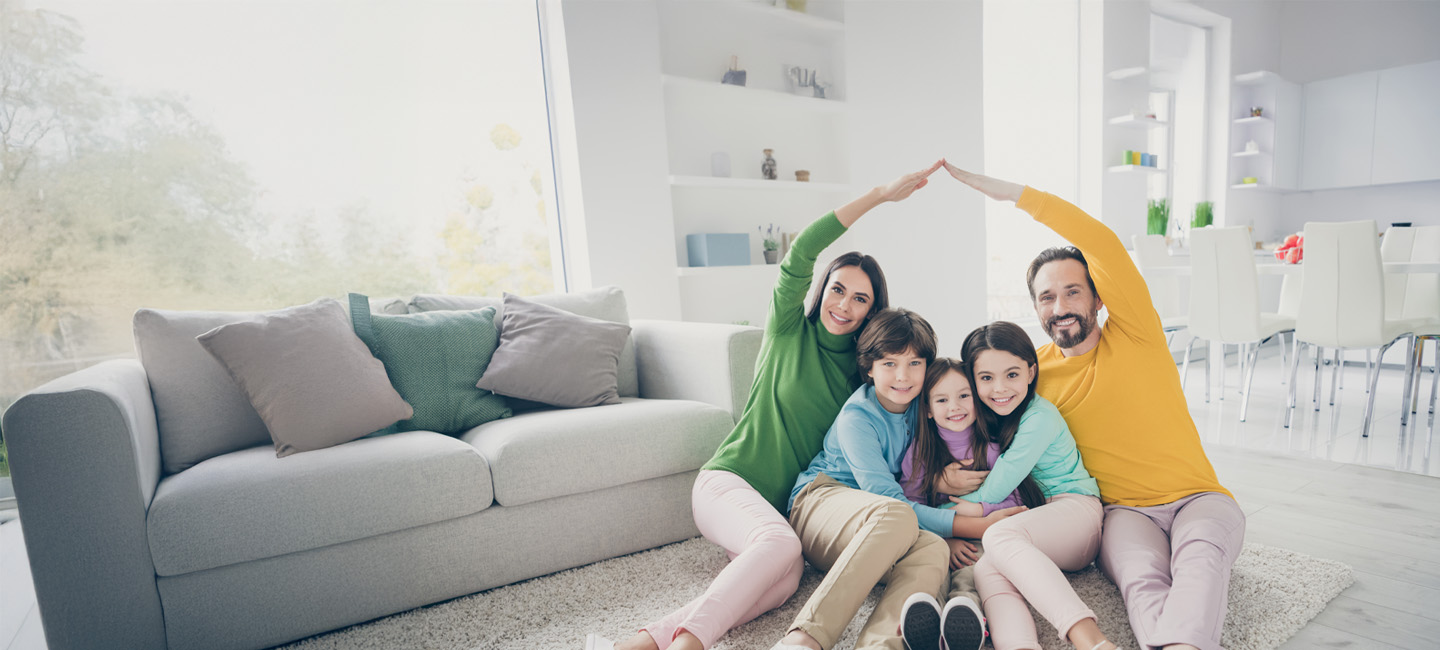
(1003, 336)
(879, 297)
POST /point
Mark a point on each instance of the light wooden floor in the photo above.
(1317, 488)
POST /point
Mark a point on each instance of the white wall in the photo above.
(1324, 39)
(1031, 134)
(627, 235)
(1255, 32)
(914, 75)
(1309, 40)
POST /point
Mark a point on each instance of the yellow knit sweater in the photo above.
(1122, 399)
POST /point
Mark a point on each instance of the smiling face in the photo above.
(1067, 308)
(952, 404)
(1002, 380)
(898, 378)
(848, 294)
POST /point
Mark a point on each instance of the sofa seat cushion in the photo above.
(248, 505)
(554, 453)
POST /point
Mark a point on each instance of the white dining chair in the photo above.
(1342, 306)
(1150, 255)
(1225, 302)
(1422, 301)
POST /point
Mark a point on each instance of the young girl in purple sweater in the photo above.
(944, 435)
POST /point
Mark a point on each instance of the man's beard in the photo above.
(1065, 340)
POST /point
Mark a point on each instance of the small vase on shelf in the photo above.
(767, 167)
(772, 256)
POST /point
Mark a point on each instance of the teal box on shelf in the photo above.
(718, 249)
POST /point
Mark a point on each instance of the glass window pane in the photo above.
(227, 155)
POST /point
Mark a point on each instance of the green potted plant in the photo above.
(1157, 216)
(1204, 215)
(769, 243)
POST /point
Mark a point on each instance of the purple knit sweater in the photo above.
(959, 444)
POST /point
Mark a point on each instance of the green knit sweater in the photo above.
(803, 376)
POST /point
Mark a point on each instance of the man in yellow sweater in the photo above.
(1171, 531)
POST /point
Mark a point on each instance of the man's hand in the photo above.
(901, 188)
(962, 553)
(991, 187)
(959, 480)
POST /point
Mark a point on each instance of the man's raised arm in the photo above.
(1117, 281)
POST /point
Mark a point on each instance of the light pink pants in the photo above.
(765, 561)
(1024, 559)
(1172, 565)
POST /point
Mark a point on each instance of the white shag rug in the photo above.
(1273, 593)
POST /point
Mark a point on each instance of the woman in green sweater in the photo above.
(805, 372)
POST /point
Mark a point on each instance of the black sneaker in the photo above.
(961, 625)
(920, 622)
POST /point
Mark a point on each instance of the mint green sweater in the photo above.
(803, 376)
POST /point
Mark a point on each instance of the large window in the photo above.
(228, 155)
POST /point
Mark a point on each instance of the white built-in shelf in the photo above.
(1259, 187)
(1132, 122)
(1126, 73)
(1124, 169)
(1255, 78)
(1250, 154)
(756, 96)
(1253, 120)
(756, 184)
(768, 270)
(804, 24)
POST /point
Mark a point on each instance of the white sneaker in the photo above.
(961, 625)
(597, 642)
(920, 622)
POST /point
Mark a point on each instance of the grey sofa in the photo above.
(245, 550)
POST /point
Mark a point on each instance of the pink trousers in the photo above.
(1172, 565)
(1023, 561)
(765, 561)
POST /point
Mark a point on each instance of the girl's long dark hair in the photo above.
(931, 454)
(990, 426)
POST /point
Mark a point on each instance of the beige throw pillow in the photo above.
(313, 382)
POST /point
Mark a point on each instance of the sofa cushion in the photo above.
(434, 360)
(311, 379)
(199, 410)
(539, 339)
(604, 303)
(555, 453)
(249, 505)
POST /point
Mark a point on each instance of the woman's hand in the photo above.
(958, 480)
(962, 553)
(991, 187)
(896, 190)
(901, 188)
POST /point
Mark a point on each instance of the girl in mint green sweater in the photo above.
(805, 372)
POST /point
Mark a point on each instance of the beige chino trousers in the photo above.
(859, 540)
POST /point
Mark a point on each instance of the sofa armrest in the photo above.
(85, 462)
(705, 362)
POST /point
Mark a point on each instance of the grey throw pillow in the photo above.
(604, 303)
(313, 382)
(553, 356)
(199, 410)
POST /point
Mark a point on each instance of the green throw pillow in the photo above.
(434, 360)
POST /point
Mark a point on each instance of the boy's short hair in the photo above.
(892, 331)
